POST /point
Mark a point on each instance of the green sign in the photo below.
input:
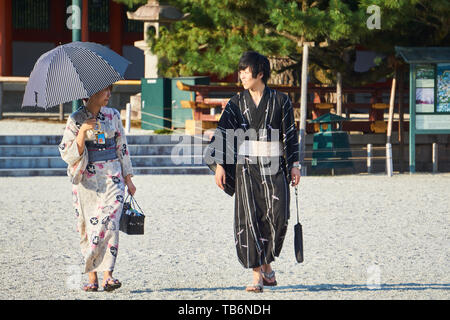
(429, 102)
(432, 105)
(429, 93)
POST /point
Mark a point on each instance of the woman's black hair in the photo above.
(257, 63)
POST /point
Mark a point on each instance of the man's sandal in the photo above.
(90, 287)
(111, 286)
(269, 276)
(256, 288)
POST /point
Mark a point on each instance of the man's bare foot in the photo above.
(268, 275)
(257, 285)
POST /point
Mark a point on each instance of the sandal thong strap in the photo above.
(268, 275)
(115, 281)
(269, 279)
(91, 285)
(111, 286)
(88, 286)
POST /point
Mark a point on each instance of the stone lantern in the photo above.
(154, 15)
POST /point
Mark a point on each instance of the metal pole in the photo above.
(435, 157)
(400, 119)
(389, 166)
(391, 106)
(128, 118)
(61, 111)
(412, 118)
(369, 158)
(76, 35)
(339, 94)
(303, 106)
(339, 97)
(389, 159)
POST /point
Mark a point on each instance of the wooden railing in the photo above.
(320, 104)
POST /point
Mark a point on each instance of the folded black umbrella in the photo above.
(298, 235)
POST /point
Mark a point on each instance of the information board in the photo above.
(429, 93)
(432, 102)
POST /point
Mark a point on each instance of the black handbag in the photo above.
(298, 235)
(132, 219)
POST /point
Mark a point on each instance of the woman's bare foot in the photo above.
(109, 283)
(93, 279)
(93, 282)
(106, 275)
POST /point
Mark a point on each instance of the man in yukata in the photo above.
(255, 155)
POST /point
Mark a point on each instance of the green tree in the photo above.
(131, 3)
(214, 35)
(415, 23)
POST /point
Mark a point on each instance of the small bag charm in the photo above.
(99, 135)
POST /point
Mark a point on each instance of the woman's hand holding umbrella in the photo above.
(89, 124)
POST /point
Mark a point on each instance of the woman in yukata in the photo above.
(95, 148)
(255, 155)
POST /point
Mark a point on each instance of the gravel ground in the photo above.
(366, 237)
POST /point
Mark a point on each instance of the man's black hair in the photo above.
(257, 63)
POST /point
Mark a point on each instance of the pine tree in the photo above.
(131, 3)
(215, 34)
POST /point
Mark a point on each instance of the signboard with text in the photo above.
(432, 92)
(429, 95)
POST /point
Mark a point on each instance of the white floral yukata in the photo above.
(98, 187)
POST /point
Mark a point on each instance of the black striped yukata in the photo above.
(260, 183)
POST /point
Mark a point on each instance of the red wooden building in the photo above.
(29, 28)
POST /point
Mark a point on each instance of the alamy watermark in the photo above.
(73, 281)
(374, 21)
(74, 20)
(263, 147)
(373, 277)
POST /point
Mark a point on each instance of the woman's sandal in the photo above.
(90, 287)
(256, 288)
(269, 276)
(111, 286)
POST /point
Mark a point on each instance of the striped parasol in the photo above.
(72, 71)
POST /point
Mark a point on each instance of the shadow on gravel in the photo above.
(188, 289)
(321, 287)
(363, 287)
